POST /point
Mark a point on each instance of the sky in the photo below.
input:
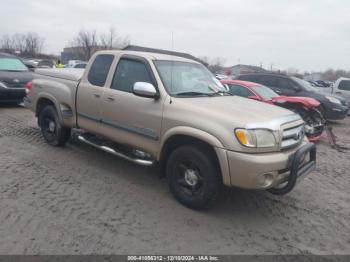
(310, 35)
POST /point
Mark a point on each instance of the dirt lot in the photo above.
(78, 200)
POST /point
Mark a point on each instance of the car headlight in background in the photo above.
(256, 138)
(2, 85)
(333, 100)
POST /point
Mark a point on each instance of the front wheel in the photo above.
(193, 177)
(53, 132)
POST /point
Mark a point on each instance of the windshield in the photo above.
(265, 92)
(12, 64)
(183, 78)
(306, 85)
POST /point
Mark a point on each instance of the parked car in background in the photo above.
(306, 107)
(80, 65)
(342, 88)
(332, 107)
(38, 63)
(324, 83)
(14, 76)
(73, 63)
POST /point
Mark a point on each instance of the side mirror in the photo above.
(145, 90)
(254, 97)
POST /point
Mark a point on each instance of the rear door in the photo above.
(90, 93)
(127, 118)
(344, 89)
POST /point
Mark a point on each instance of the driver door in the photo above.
(126, 117)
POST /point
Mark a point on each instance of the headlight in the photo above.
(256, 138)
(333, 100)
(2, 85)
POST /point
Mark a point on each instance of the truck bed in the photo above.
(71, 74)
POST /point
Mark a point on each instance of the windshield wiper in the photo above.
(193, 93)
(222, 92)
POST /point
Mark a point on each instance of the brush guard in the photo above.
(298, 168)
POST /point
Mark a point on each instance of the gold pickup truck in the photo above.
(152, 108)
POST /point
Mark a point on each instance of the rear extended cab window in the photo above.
(99, 70)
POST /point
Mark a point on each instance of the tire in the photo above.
(193, 177)
(52, 130)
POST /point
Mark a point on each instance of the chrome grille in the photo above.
(292, 136)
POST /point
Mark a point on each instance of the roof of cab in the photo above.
(149, 55)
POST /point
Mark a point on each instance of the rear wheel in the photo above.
(53, 132)
(193, 177)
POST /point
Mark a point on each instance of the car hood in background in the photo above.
(308, 102)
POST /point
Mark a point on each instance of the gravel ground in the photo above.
(78, 200)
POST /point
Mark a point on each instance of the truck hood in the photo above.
(233, 109)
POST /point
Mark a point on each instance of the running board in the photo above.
(107, 149)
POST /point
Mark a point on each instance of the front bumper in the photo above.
(338, 112)
(269, 170)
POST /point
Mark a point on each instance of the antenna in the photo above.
(171, 64)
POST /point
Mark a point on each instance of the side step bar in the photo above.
(141, 162)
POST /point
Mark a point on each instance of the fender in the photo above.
(61, 96)
(205, 137)
(192, 132)
(50, 97)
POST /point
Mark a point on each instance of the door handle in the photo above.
(339, 93)
(278, 91)
(97, 95)
(110, 98)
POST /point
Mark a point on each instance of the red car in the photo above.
(306, 107)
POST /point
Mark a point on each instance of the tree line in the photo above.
(29, 44)
(88, 42)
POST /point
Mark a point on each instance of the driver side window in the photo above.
(128, 73)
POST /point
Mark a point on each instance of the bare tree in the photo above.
(30, 44)
(87, 41)
(6, 43)
(213, 64)
(19, 42)
(33, 44)
(112, 40)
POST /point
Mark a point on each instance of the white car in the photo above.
(342, 88)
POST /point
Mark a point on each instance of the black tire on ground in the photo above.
(193, 177)
(53, 132)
